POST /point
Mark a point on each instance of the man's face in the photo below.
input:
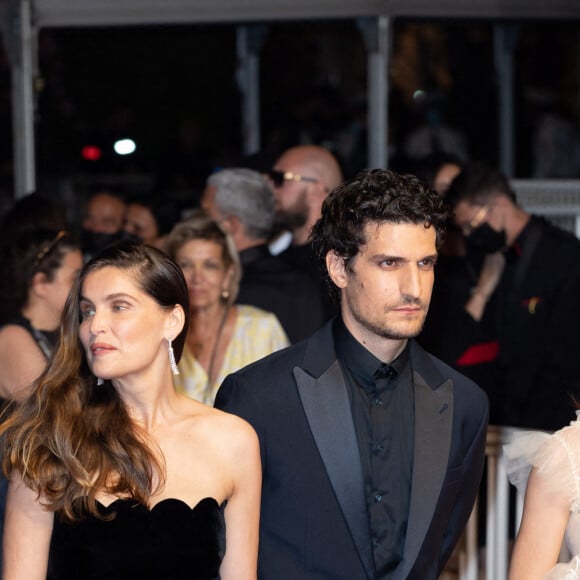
(105, 214)
(208, 203)
(469, 216)
(292, 196)
(484, 226)
(386, 288)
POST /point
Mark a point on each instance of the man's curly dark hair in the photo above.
(374, 195)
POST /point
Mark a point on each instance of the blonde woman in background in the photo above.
(223, 337)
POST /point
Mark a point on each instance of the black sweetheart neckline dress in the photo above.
(170, 541)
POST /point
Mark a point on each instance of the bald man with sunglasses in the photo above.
(301, 179)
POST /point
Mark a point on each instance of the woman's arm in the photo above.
(27, 533)
(21, 362)
(242, 512)
(541, 534)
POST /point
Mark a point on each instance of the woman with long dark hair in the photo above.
(37, 269)
(113, 474)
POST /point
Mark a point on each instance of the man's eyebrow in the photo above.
(394, 258)
(388, 257)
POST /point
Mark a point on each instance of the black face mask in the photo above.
(93, 242)
(486, 239)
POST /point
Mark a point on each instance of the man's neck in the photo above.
(301, 235)
(40, 316)
(245, 243)
(385, 349)
(518, 221)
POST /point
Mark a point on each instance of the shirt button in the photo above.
(379, 449)
(374, 542)
(377, 402)
(378, 498)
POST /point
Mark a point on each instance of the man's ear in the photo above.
(175, 321)
(318, 192)
(232, 225)
(336, 267)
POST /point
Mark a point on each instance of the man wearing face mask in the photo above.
(521, 319)
(103, 221)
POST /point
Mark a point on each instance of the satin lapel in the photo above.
(325, 402)
(433, 426)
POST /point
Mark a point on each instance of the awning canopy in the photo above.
(139, 12)
(20, 20)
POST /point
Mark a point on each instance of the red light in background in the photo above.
(91, 153)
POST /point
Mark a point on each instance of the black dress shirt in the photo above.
(382, 403)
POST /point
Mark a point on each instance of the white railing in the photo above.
(497, 540)
(556, 199)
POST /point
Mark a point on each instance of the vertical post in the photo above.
(249, 41)
(504, 40)
(502, 532)
(20, 37)
(376, 34)
(491, 515)
(470, 565)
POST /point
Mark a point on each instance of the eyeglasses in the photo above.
(279, 177)
(476, 220)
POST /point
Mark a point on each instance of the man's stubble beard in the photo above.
(293, 217)
(383, 329)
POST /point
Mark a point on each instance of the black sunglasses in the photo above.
(279, 177)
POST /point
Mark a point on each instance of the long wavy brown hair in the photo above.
(72, 439)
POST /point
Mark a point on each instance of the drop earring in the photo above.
(172, 363)
(100, 382)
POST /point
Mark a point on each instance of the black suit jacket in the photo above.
(283, 288)
(314, 521)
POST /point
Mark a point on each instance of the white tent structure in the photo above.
(22, 19)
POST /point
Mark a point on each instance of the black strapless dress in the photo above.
(169, 542)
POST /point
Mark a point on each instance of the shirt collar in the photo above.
(362, 363)
(517, 248)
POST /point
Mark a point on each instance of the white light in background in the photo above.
(124, 146)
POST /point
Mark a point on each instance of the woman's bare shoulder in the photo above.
(216, 422)
(226, 431)
(14, 336)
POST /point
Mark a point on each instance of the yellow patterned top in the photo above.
(257, 333)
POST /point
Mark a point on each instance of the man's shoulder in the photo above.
(555, 237)
(463, 385)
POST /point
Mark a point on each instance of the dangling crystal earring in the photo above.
(172, 362)
(100, 382)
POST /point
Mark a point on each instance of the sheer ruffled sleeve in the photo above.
(568, 571)
(556, 457)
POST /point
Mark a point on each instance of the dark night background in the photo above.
(173, 89)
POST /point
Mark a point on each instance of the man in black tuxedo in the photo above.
(372, 449)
